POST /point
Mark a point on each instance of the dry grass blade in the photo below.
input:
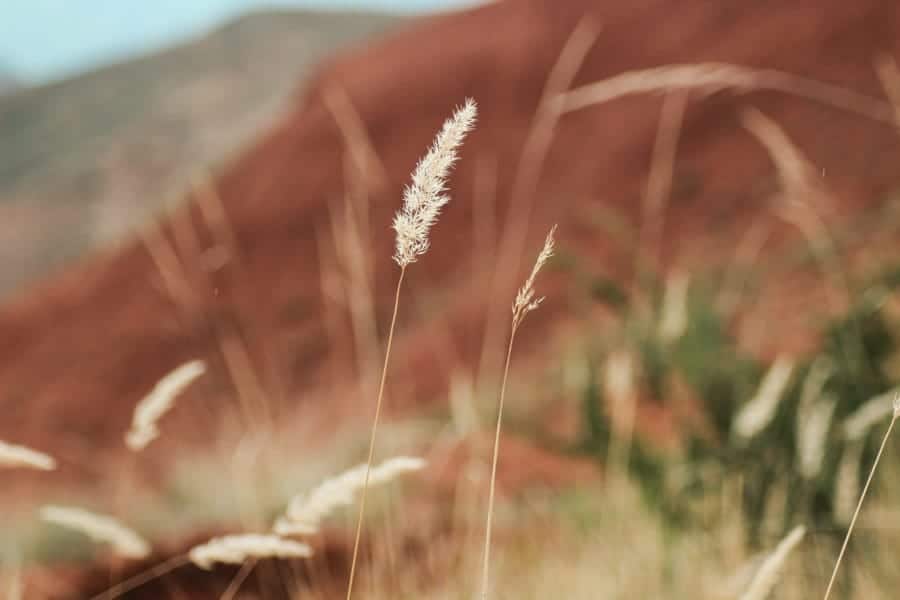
(422, 203)
(812, 443)
(803, 198)
(158, 402)
(862, 496)
(235, 549)
(524, 303)
(100, 528)
(767, 575)
(889, 74)
(846, 482)
(659, 182)
(14, 456)
(714, 77)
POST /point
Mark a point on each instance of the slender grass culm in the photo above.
(524, 303)
(422, 203)
(862, 495)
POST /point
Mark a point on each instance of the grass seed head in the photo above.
(99, 528)
(426, 194)
(235, 549)
(13, 456)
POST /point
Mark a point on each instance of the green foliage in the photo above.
(685, 486)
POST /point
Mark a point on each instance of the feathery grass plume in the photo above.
(13, 456)
(862, 496)
(871, 413)
(770, 569)
(158, 402)
(759, 410)
(673, 320)
(813, 418)
(426, 194)
(235, 549)
(813, 439)
(284, 527)
(306, 511)
(619, 385)
(819, 372)
(524, 303)
(846, 482)
(619, 376)
(422, 203)
(99, 528)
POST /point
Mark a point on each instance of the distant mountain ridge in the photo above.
(9, 81)
(84, 159)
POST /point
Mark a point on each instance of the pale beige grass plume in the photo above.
(758, 412)
(235, 549)
(525, 302)
(673, 317)
(306, 511)
(770, 570)
(814, 425)
(619, 384)
(874, 411)
(422, 203)
(15, 456)
(814, 419)
(100, 528)
(158, 402)
(426, 195)
(846, 482)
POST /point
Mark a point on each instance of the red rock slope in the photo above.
(77, 352)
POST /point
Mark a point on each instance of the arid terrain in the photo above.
(83, 161)
(763, 163)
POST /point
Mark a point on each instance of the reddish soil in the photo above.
(78, 351)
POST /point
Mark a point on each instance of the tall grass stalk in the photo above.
(862, 497)
(525, 303)
(422, 203)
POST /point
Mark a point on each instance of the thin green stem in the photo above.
(362, 501)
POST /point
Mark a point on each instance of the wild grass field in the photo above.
(634, 335)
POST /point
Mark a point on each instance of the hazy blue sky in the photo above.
(48, 39)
